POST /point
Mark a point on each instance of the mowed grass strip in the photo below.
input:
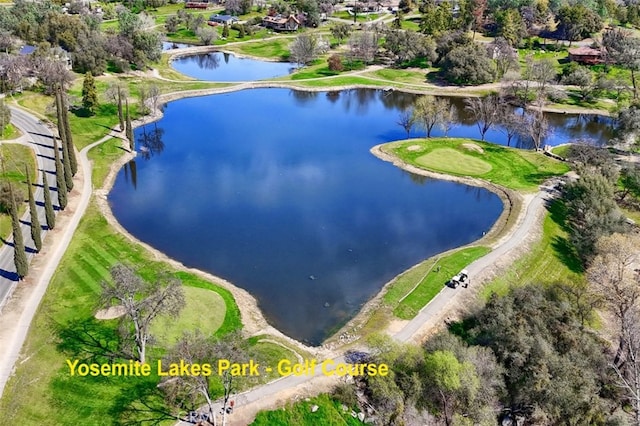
(42, 389)
(408, 301)
(449, 160)
(511, 167)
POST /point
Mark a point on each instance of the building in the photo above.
(586, 55)
(281, 23)
(223, 19)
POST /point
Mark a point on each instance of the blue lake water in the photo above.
(276, 191)
(219, 66)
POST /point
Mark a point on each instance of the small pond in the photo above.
(276, 191)
(170, 45)
(220, 66)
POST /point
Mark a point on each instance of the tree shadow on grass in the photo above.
(89, 340)
(558, 213)
(565, 252)
(141, 403)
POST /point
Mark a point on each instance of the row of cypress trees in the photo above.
(66, 168)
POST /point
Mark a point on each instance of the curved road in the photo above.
(39, 137)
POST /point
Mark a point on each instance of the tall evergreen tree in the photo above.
(33, 214)
(60, 181)
(120, 115)
(66, 164)
(129, 133)
(19, 255)
(49, 213)
(73, 162)
(89, 94)
(60, 116)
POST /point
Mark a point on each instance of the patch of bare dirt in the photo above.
(473, 147)
(110, 313)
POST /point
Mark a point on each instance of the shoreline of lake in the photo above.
(254, 321)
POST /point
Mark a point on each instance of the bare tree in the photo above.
(430, 111)
(537, 127)
(153, 91)
(207, 35)
(142, 302)
(406, 119)
(304, 48)
(512, 124)
(364, 45)
(190, 390)
(484, 112)
(116, 92)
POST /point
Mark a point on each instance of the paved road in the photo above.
(39, 137)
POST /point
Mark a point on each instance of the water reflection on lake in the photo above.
(276, 191)
(220, 66)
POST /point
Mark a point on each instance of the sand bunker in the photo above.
(473, 147)
(110, 313)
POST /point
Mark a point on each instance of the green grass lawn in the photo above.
(203, 310)
(512, 168)
(452, 161)
(9, 132)
(400, 75)
(16, 158)
(549, 261)
(561, 151)
(299, 414)
(430, 277)
(42, 391)
(274, 48)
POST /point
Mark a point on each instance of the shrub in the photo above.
(335, 63)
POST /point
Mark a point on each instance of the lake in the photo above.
(276, 191)
(220, 66)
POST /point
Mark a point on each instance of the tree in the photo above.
(89, 94)
(172, 23)
(542, 72)
(510, 26)
(363, 45)
(63, 111)
(189, 390)
(19, 255)
(33, 215)
(583, 78)
(630, 181)
(577, 22)
(142, 302)
(430, 111)
(304, 48)
(5, 117)
(207, 35)
(468, 65)
(49, 213)
(546, 355)
(591, 212)
(8, 196)
(505, 56)
(225, 31)
(622, 48)
(512, 124)
(129, 127)
(66, 165)
(537, 127)
(484, 111)
(409, 45)
(478, 8)
(335, 63)
(61, 185)
(406, 119)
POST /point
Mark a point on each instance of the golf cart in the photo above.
(460, 278)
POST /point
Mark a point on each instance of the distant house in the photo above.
(196, 5)
(586, 55)
(281, 23)
(223, 19)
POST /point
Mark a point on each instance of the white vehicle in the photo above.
(460, 278)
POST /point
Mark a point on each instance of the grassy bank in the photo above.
(329, 412)
(64, 327)
(509, 167)
(415, 288)
(549, 261)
